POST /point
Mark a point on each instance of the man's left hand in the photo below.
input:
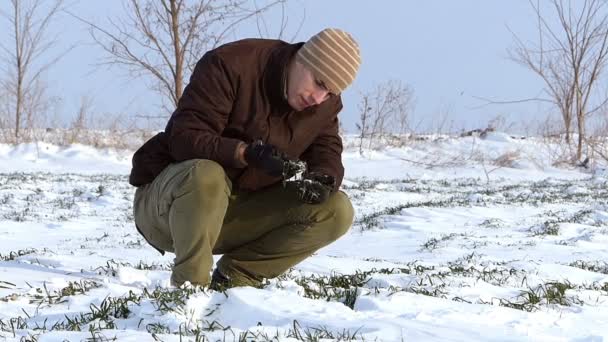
(313, 188)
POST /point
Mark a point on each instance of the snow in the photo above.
(43, 157)
(452, 238)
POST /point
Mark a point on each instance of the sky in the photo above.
(449, 52)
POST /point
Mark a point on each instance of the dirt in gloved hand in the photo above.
(313, 188)
(293, 168)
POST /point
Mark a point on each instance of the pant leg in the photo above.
(267, 232)
(182, 211)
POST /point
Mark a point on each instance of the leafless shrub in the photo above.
(449, 157)
(100, 130)
(82, 129)
(110, 138)
(440, 123)
(113, 131)
(385, 114)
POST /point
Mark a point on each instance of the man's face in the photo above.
(303, 90)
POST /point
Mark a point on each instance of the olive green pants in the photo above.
(191, 210)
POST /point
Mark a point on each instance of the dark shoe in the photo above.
(219, 282)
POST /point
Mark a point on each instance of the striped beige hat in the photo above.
(333, 57)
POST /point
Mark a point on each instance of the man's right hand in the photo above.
(265, 157)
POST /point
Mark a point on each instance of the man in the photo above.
(212, 182)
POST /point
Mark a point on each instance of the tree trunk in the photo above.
(179, 54)
(568, 126)
(581, 134)
(18, 108)
(18, 60)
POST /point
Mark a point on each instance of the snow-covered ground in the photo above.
(457, 239)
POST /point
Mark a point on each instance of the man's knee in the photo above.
(208, 178)
(343, 214)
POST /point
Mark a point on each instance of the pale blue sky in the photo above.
(447, 51)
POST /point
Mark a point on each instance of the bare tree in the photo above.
(81, 122)
(26, 61)
(362, 125)
(404, 105)
(163, 39)
(385, 111)
(570, 59)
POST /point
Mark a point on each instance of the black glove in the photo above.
(265, 157)
(313, 188)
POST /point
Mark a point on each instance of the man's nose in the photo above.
(320, 96)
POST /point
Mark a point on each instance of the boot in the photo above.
(220, 282)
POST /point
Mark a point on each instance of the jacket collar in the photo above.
(275, 81)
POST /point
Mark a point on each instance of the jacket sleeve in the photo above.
(202, 113)
(324, 155)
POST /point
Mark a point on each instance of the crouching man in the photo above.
(213, 181)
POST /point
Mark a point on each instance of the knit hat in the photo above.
(333, 57)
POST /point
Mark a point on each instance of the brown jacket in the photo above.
(236, 93)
